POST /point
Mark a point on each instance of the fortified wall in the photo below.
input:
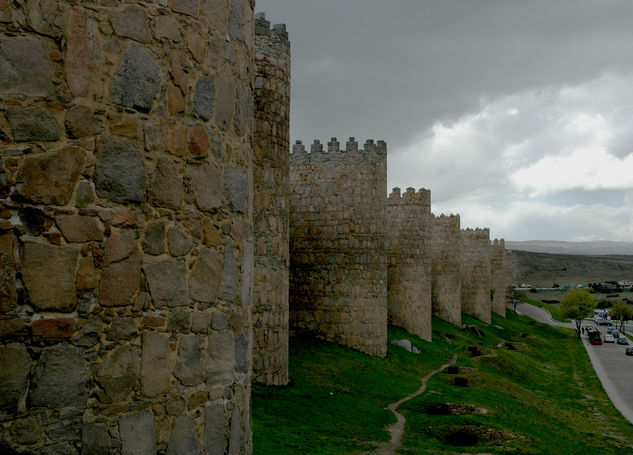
(126, 227)
(409, 267)
(475, 273)
(338, 268)
(445, 268)
(270, 204)
(500, 276)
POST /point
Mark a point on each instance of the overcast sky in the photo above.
(516, 114)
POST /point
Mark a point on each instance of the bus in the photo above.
(593, 335)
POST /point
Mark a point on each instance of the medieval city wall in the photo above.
(409, 267)
(270, 204)
(475, 273)
(500, 277)
(445, 268)
(338, 260)
(126, 226)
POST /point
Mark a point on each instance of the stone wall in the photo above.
(499, 277)
(445, 268)
(126, 226)
(508, 270)
(409, 253)
(270, 205)
(475, 273)
(338, 260)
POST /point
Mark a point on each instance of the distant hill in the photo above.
(543, 270)
(601, 247)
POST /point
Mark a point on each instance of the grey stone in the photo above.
(33, 124)
(132, 23)
(80, 229)
(235, 433)
(119, 245)
(189, 368)
(80, 121)
(236, 188)
(229, 277)
(247, 272)
(89, 334)
(225, 103)
(219, 321)
(61, 448)
(242, 353)
(119, 372)
(137, 81)
(60, 378)
(207, 186)
(167, 189)
(167, 283)
(49, 275)
(167, 27)
(47, 17)
(179, 322)
(182, 440)
(214, 428)
(95, 439)
(179, 242)
(221, 360)
(120, 172)
(155, 363)
(15, 365)
(138, 435)
(154, 242)
(85, 194)
(154, 137)
(203, 98)
(26, 431)
(189, 7)
(122, 329)
(206, 276)
(236, 20)
(65, 430)
(25, 66)
(200, 321)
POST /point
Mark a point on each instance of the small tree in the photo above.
(577, 304)
(515, 296)
(622, 313)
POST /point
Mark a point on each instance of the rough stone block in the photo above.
(132, 23)
(120, 172)
(120, 245)
(214, 428)
(80, 121)
(138, 434)
(83, 52)
(120, 281)
(189, 368)
(167, 188)
(8, 291)
(119, 373)
(53, 329)
(33, 124)
(207, 186)
(206, 276)
(15, 365)
(189, 7)
(137, 81)
(178, 241)
(183, 440)
(230, 279)
(167, 283)
(235, 432)
(155, 363)
(80, 229)
(236, 188)
(26, 431)
(154, 242)
(25, 66)
(122, 329)
(95, 439)
(221, 362)
(204, 97)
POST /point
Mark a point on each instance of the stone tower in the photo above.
(270, 206)
(338, 260)
(445, 268)
(409, 253)
(126, 226)
(499, 277)
(475, 272)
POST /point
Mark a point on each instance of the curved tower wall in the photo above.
(338, 260)
(500, 281)
(270, 205)
(126, 226)
(409, 267)
(445, 268)
(475, 272)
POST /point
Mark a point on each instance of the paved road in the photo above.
(612, 366)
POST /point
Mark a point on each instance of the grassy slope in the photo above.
(542, 397)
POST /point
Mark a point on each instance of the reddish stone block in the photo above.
(153, 321)
(55, 329)
(198, 142)
(82, 52)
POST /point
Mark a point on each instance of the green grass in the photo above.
(543, 397)
(553, 309)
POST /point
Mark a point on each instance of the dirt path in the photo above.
(396, 430)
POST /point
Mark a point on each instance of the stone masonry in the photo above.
(475, 273)
(270, 205)
(409, 253)
(126, 226)
(500, 276)
(338, 268)
(445, 268)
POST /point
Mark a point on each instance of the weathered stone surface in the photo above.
(87, 274)
(50, 178)
(95, 439)
(230, 278)
(221, 363)
(167, 188)
(219, 321)
(83, 52)
(65, 430)
(206, 276)
(85, 194)
(138, 434)
(119, 373)
(79, 229)
(179, 322)
(32, 220)
(60, 448)
(236, 20)
(137, 81)
(47, 17)
(8, 292)
(211, 233)
(189, 7)
(49, 275)
(81, 121)
(189, 369)
(183, 439)
(207, 184)
(153, 137)
(198, 142)
(24, 66)
(53, 329)
(26, 431)
(88, 334)
(235, 432)
(119, 245)
(128, 217)
(15, 365)
(236, 188)
(214, 428)
(166, 27)
(60, 378)
(33, 124)
(225, 103)
(167, 283)
(155, 363)
(154, 242)
(120, 172)
(179, 242)
(200, 321)
(203, 98)
(242, 352)
(122, 329)
(131, 22)
(120, 281)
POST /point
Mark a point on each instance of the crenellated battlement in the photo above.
(262, 27)
(477, 234)
(410, 196)
(318, 151)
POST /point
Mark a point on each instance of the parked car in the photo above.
(610, 330)
(629, 350)
(623, 340)
(608, 338)
(616, 334)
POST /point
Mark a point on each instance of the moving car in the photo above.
(616, 334)
(629, 350)
(608, 338)
(610, 329)
(594, 336)
(623, 340)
